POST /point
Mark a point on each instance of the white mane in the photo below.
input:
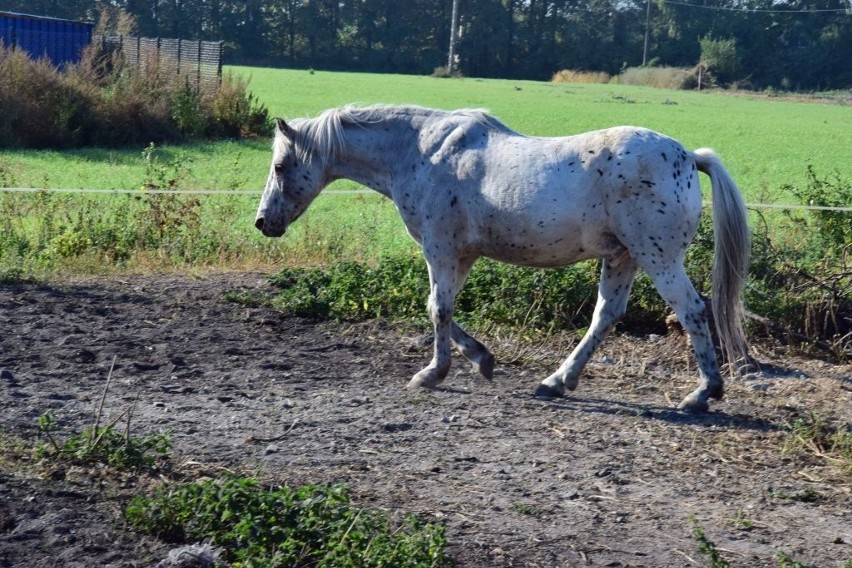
(323, 137)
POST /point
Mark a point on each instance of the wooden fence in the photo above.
(200, 62)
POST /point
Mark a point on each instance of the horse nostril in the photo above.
(259, 223)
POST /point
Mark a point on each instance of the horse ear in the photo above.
(283, 127)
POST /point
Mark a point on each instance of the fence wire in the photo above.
(791, 207)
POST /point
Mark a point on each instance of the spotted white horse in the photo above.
(467, 186)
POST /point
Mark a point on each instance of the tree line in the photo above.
(784, 44)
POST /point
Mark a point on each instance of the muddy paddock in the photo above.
(608, 477)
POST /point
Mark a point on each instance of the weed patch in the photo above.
(282, 526)
(585, 77)
(707, 547)
(105, 445)
(821, 437)
(658, 77)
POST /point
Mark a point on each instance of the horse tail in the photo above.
(731, 254)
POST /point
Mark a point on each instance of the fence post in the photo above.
(198, 69)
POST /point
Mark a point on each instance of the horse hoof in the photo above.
(486, 366)
(693, 406)
(545, 392)
(427, 378)
(717, 393)
(419, 382)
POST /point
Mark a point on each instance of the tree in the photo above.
(718, 60)
(793, 44)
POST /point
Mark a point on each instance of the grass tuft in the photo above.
(821, 437)
(105, 445)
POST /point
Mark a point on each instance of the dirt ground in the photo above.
(608, 477)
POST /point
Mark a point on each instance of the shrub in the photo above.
(39, 109)
(719, 59)
(805, 281)
(236, 112)
(102, 101)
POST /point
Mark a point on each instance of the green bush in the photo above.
(235, 111)
(395, 288)
(281, 526)
(831, 230)
(805, 280)
(398, 287)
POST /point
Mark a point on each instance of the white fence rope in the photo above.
(257, 192)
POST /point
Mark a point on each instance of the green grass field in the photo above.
(766, 143)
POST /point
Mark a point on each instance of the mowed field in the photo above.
(765, 142)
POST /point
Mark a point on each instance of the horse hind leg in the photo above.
(617, 277)
(474, 351)
(676, 289)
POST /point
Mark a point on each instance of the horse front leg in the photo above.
(474, 351)
(446, 279)
(442, 296)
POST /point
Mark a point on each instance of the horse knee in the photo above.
(439, 312)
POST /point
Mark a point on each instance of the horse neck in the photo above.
(373, 154)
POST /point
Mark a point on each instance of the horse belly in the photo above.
(556, 240)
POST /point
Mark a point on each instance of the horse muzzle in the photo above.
(269, 229)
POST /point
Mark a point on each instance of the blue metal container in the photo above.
(60, 41)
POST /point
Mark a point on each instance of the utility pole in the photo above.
(454, 32)
(647, 31)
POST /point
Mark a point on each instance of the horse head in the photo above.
(294, 181)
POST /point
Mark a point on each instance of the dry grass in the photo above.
(658, 77)
(574, 76)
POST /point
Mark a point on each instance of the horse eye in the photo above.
(279, 168)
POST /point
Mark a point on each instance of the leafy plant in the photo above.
(282, 526)
(786, 561)
(707, 547)
(831, 230)
(103, 444)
